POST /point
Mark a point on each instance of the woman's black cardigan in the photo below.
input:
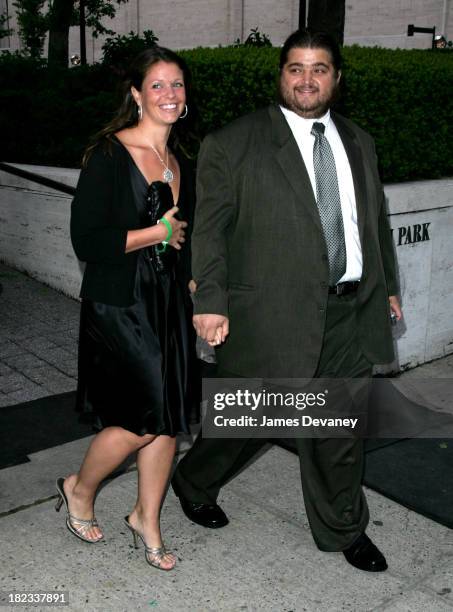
(103, 211)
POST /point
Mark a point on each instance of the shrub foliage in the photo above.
(403, 98)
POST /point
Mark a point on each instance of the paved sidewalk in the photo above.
(264, 561)
(38, 339)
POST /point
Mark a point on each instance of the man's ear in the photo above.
(338, 76)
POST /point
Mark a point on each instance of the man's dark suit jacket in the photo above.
(259, 254)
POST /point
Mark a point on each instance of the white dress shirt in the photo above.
(301, 129)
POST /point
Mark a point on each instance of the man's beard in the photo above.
(310, 111)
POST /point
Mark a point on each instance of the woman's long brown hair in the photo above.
(127, 113)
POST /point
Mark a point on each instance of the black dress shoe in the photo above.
(206, 515)
(364, 555)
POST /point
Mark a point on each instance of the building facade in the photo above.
(208, 23)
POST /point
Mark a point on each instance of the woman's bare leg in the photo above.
(107, 451)
(154, 463)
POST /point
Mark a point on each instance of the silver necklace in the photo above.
(167, 173)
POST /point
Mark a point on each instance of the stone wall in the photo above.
(421, 217)
(34, 228)
(34, 237)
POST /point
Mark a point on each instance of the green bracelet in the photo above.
(166, 222)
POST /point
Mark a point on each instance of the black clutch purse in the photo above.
(159, 200)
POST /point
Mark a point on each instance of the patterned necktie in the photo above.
(329, 204)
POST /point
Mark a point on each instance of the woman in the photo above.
(134, 345)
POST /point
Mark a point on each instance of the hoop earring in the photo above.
(139, 112)
(186, 112)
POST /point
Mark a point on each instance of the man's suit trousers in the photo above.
(331, 468)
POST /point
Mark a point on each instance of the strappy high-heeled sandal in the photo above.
(153, 555)
(78, 527)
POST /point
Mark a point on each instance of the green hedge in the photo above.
(403, 98)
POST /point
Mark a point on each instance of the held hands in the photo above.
(177, 236)
(211, 327)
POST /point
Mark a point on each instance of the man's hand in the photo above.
(395, 307)
(211, 327)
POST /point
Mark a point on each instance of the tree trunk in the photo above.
(327, 16)
(59, 23)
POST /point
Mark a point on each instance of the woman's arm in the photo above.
(93, 237)
(137, 239)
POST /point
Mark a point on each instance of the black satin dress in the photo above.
(133, 361)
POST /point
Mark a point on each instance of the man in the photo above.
(293, 261)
